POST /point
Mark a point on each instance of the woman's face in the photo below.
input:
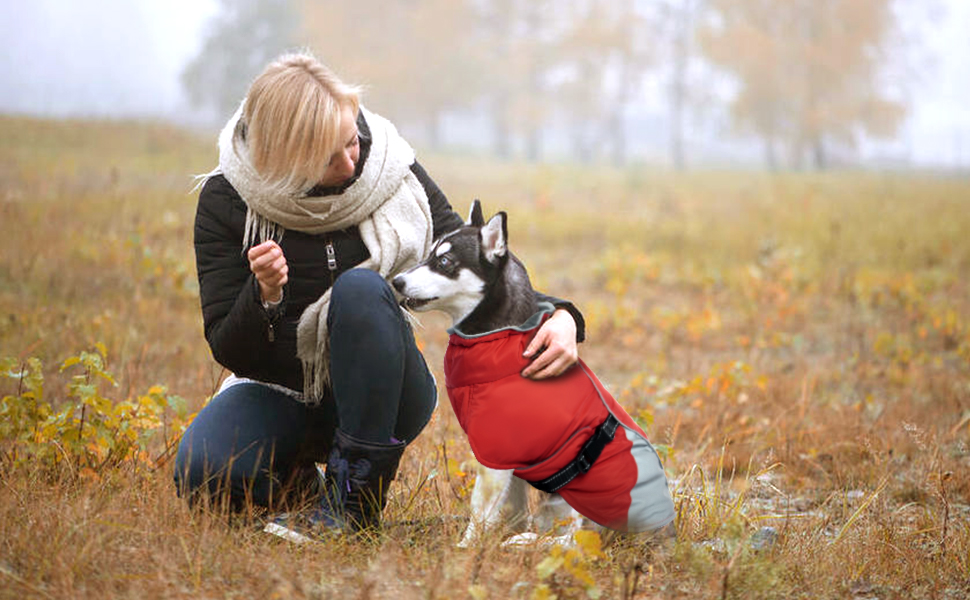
(344, 161)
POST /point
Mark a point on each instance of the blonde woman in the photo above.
(315, 205)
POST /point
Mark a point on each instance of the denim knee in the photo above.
(195, 478)
(186, 470)
(251, 443)
(359, 292)
(360, 285)
(252, 481)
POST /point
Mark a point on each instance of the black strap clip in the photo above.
(584, 461)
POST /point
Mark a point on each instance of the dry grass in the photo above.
(797, 345)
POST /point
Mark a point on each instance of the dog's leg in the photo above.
(554, 522)
(555, 517)
(498, 500)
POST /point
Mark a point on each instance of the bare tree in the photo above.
(243, 37)
(606, 48)
(515, 49)
(809, 71)
(679, 18)
(416, 58)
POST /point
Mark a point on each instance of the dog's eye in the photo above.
(444, 262)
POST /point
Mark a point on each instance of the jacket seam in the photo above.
(490, 381)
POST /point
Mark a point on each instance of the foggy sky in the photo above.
(122, 58)
(98, 57)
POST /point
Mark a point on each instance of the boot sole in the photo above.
(286, 533)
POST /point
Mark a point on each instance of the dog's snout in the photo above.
(398, 283)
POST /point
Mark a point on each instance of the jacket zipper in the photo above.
(331, 261)
(271, 316)
(331, 268)
(270, 323)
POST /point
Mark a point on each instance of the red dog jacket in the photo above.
(537, 427)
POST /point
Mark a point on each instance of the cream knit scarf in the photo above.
(387, 203)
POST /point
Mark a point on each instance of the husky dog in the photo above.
(566, 435)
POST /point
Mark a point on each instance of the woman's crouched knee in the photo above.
(203, 484)
(360, 286)
(360, 296)
(200, 481)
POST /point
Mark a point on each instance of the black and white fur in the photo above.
(471, 275)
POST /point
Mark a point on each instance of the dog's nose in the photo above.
(398, 283)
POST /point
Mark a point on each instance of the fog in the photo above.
(104, 58)
(124, 59)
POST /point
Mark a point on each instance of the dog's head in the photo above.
(461, 267)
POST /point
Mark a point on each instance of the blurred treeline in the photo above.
(794, 83)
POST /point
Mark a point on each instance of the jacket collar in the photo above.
(533, 322)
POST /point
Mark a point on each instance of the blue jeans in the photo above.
(260, 446)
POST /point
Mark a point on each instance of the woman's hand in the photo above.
(558, 336)
(268, 264)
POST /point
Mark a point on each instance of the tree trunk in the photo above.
(771, 157)
(617, 135)
(533, 143)
(582, 145)
(434, 130)
(678, 91)
(677, 129)
(501, 128)
(818, 154)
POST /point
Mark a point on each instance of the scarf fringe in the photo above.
(316, 375)
(260, 229)
(202, 178)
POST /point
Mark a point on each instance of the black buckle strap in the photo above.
(584, 460)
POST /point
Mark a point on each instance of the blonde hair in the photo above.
(292, 117)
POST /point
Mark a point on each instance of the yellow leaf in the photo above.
(589, 542)
(548, 566)
(542, 592)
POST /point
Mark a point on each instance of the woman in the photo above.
(316, 203)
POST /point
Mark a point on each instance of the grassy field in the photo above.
(797, 346)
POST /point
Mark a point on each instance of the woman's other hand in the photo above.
(558, 336)
(268, 264)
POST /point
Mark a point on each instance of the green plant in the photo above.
(89, 433)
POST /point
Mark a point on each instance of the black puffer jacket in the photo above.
(246, 338)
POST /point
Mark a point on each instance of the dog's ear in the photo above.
(475, 217)
(494, 236)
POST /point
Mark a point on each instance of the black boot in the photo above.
(356, 483)
(358, 478)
